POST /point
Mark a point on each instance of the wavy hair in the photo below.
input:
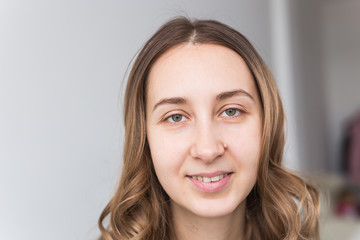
(280, 206)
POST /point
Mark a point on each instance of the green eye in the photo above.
(231, 112)
(176, 118)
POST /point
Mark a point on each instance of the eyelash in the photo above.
(236, 114)
(170, 119)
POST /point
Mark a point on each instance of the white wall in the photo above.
(325, 38)
(61, 67)
(341, 44)
(310, 110)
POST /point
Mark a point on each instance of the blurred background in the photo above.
(62, 65)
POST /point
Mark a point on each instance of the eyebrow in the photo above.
(174, 100)
(229, 94)
(219, 97)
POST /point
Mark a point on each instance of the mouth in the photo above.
(211, 182)
(210, 179)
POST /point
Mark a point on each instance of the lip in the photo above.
(212, 174)
(211, 187)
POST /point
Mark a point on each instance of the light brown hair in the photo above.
(281, 204)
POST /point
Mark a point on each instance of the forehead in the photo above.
(190, 69)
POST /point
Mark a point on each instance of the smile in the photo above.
(210, 179)
(211, 183)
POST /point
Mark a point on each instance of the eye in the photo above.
(230, 112)
(176, 118)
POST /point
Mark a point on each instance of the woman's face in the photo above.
(204, 128)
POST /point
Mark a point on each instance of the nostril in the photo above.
(208, 152)
(207, 145)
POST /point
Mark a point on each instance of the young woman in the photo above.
(204, 139)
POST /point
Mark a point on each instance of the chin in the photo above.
(215, 208)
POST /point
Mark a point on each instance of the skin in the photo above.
(204, 117)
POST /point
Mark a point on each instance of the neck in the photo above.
(187, 225)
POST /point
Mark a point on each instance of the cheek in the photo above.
(246, 154)
(167, 153)
(245, 145)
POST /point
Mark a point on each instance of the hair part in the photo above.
(281, 204)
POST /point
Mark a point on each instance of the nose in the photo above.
(207, 145)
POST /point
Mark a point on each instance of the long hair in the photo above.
(280, 206)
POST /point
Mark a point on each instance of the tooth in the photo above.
(210, 179)
(206, 179)
(215, 179)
